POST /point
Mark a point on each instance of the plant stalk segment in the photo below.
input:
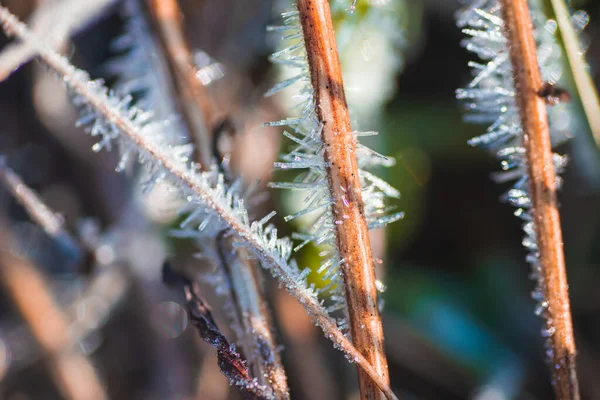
(352, 237)
(542, 179)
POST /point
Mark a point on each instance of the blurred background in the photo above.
(459, 319)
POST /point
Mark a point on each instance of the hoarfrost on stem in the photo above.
(308, 155)
(490, 98)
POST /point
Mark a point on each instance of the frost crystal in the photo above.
(308, 155)
(490, 98)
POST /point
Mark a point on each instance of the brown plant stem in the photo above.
(201, 117)
(196, 107)
(542, 181)
(352, 234)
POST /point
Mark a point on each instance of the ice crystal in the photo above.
(308, 155)
(490, 98)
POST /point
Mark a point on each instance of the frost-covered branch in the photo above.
(515, 42)
(348, 199)
(216, 206)
(542, 188)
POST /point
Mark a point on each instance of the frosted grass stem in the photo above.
(542, 182)
(56, 21)
(352, 234)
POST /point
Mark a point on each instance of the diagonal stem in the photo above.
(542, 180)
(352, 236)
(52, 223)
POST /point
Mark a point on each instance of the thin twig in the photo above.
(192, 183)
(196, 107)
(542, 178)
(72, 371)
(200, 115)
(352, 234)
(583, 80)
(50, 221)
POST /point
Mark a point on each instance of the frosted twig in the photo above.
(351, 230)
(55, 21)
(583, 80)
(518, 49)
(309, 157)
(542, 188)
(261, 241)
(39, 212)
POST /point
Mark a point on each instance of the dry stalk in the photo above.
(542, 178)
(230, 362)
(199, 113)
(352, 236)
(253, 317)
